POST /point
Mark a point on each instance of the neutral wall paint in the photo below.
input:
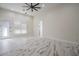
(36, 26)
(14, 16)
(60, 23)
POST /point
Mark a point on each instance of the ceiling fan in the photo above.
(32, 6)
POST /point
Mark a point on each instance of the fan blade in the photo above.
(36, 4)
(35, 9)
(28, 9)
(32, 9)
(27, 4)
(38, 7)
(31, 4)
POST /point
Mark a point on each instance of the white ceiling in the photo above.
(18, 7)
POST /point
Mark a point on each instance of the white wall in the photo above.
(61, 22)
(14, 17)
(36, 22)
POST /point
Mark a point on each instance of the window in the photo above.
(20, 28)
(4, 28)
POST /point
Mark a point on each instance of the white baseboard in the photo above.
(62, 40)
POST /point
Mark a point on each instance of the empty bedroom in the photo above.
(39, 29)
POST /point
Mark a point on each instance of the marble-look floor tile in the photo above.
(37, 47)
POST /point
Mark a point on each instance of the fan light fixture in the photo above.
(31, 6)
